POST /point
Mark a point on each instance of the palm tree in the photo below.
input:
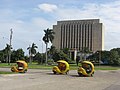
(48, 37)
(32, 51)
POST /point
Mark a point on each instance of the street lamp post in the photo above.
(99, 57)
(9, 57)
(41, 49)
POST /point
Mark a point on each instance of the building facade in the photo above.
(79, 34)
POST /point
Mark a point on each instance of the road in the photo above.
(36, 79)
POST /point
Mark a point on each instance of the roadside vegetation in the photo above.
(103, 60)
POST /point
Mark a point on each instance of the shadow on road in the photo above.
(54, 74)
(74, 75)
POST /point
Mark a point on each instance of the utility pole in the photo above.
(41, 51)
(9, 57)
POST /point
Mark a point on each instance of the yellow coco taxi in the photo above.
(87, 69)
(61, 68)
(21, 67)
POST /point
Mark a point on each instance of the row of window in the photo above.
(76, 36)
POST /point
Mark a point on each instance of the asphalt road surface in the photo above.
(36, 79)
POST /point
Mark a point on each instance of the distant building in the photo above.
(79, 34)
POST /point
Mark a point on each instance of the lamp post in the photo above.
(41, 51)
(99, 57)
(9, 57)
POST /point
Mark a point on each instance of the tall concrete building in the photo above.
(78, 34)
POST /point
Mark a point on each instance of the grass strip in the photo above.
(49, 67)
(4, 72)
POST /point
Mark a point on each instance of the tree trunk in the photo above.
(46, 54)
(30, 59)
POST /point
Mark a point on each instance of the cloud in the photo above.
(47, 7)
(108, 13)
(24, 33)
(41, 22)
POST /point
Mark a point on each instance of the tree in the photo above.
(51, 51)
(2, 56)
(94, 57)
(48, 37)
(38, 58)
(6, 52)
(77, 60)
(85, 51)
(116, 49)
(17, 55)
(60, 55)
(32, 51)
(114, 58)
(66, 51)
(105, 57)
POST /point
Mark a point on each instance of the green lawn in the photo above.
(36, 66)
(107, 67)
(72, 66)
(6, 65)
(2, 72)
